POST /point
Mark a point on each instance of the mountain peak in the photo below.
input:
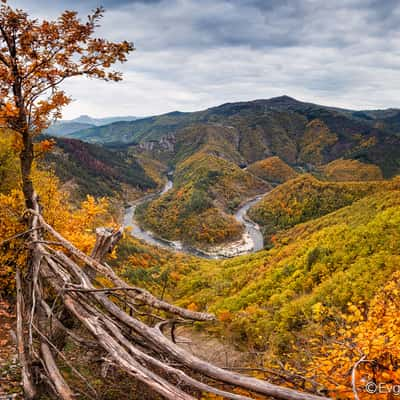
(283, 100)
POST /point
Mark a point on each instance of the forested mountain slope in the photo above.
(335, 246)
(305, 198)
(344, 256)
(93, 169)
(350, 170)
(299, 133)
(272, 169)
(276, 138)
(272, 140)
(289, 305)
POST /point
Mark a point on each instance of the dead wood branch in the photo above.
(27, 380)
(54, 374)
(106, 240)
(142, 294)
(141, 350)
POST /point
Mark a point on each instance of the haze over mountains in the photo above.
(66, 127)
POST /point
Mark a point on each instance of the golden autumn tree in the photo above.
(35, 58)
(362, 359)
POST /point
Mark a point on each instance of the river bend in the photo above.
(252, 239)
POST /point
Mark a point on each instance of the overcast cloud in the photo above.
(193, 54)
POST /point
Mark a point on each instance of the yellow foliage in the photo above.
(351, 170)
(77, 225)
(272, 169)
(370, 345)
(9, 163)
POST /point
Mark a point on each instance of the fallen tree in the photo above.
(139, 349)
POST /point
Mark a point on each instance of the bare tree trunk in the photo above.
(106, 240)
(26, 160)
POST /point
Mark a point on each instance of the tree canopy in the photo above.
(36, 57)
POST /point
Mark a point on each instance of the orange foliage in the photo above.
(272, 169)
(36, 56)
(225, 316)
(44, 146)
(368, 345)
(193, 307)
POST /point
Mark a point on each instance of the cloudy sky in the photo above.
(193, 54)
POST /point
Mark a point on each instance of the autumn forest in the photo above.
(249, 250)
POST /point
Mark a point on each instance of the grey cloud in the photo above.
(193, 54)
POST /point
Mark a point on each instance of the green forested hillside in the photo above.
(274, 301)
(206, 189)
(275, 139)
(284, 299)
(305, 198)
(266, 299)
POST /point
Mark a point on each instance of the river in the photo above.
(252, 239)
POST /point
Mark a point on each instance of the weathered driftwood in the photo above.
(140, 350)
(27, 380)
(106, 240)
(62, 388)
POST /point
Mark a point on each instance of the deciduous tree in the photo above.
(36, 57)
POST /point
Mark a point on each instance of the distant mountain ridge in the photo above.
(149, 128)
(86, 119)
(67, 127)
(300, 133)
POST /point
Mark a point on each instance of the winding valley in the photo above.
(251, 241)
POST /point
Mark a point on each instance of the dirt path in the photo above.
(210, 348)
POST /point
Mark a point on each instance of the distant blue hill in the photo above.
(67, 127)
